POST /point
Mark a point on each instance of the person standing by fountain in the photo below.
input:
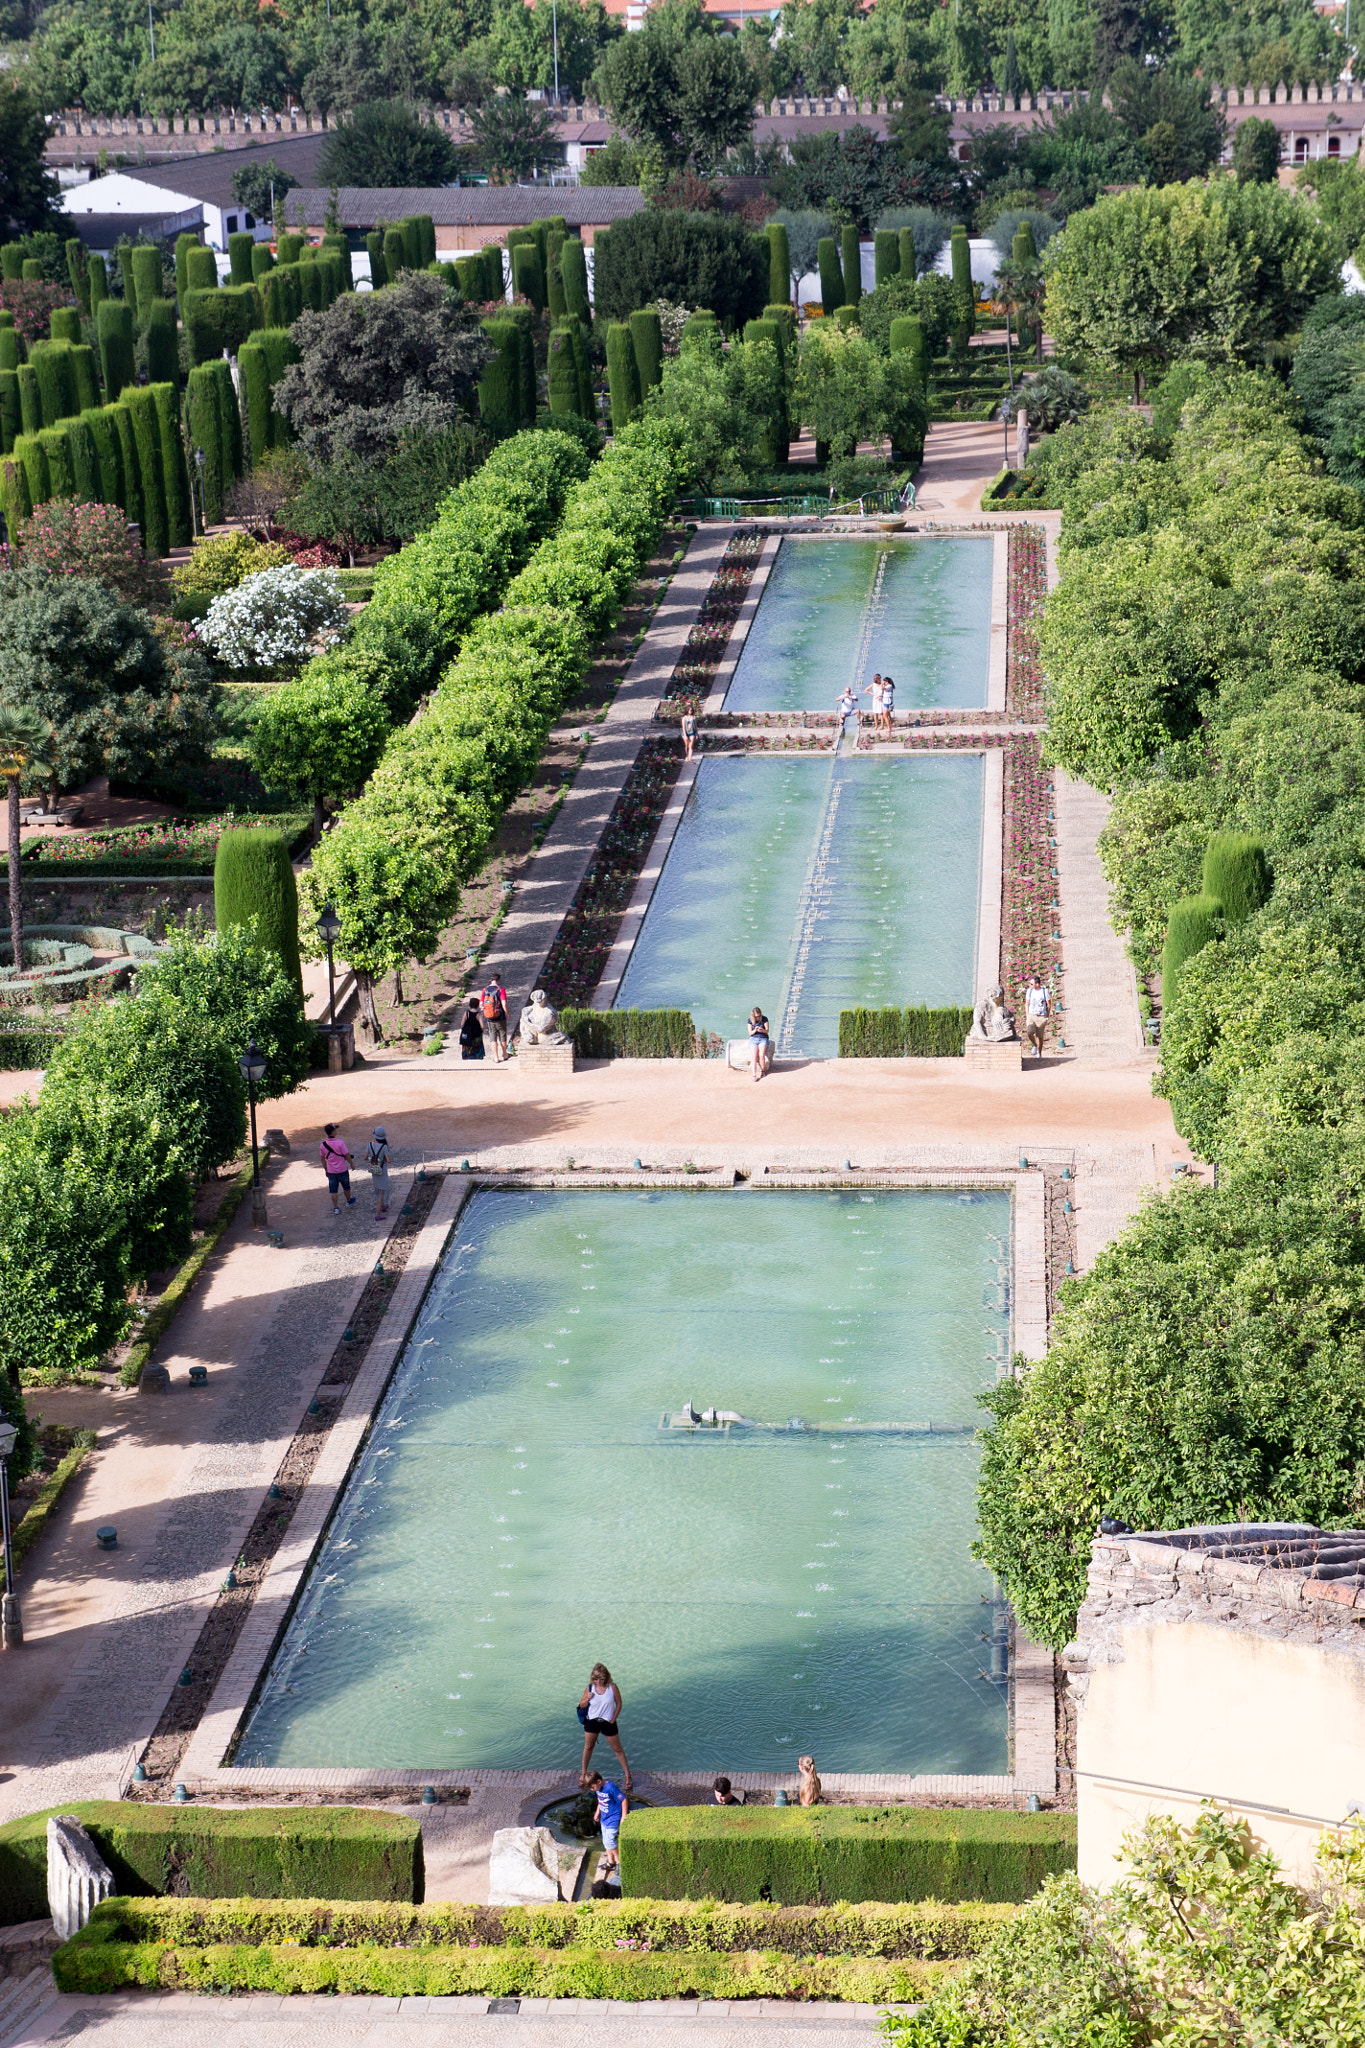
(689, 733)
(760, 1042)
(1037, 1010)
(846, 708)
(888, 704)
(599, 1710)
(874, 691)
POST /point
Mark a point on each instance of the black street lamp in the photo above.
(329, 924)
(11, 1623)
(203, 502)
(252, 1064)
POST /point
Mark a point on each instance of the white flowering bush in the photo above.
(277, 616)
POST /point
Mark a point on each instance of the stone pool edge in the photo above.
(1032, 1699)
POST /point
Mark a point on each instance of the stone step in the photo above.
(21, 2002)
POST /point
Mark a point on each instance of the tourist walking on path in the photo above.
(599, 1710)
(1037, 1010)
(471, 1032)
(377, 1159)
(613, 1805)
(689, 734)
(760, 1043)
(888, 705)
(493, 1010)
(335, 1155)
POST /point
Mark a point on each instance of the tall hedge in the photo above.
(563, 371)
(493, 270)
(97, 283)
(61, 476)
(964, 287)
(114, 332)
(212, 408)
(223, 1853)
(222, 319)
(240, 249)
(289, 247)
(776, 438)
(694, 259)
(201, 269)
(554, 277)
(886, 255)
(907, 338)
(30, 453)
(1192, 923)
(147, 278)
(413, 258)
(573, 268)
(64, 324)
(130, 468)
(30, 399)
(528, 280)
(894, 1034)
(647, 336)
(183, 244)
(83, 370)
(831, 275)
(10, 417)
(253, 879)
(339, 246)
(631, 1034)
(12, 260)
(147, 434)
(395, 253)
(163, 344)
(174, 477)
(908, 258)
(125, 264)
(75, 270)
(779, 265)
(105, 439)
(813, 1856)
(262, 361)
(852, 263)
(283, 295)
(622, 376)
(262, 261)
(51, 364)
(11, 349)
(84, 459)
(15, 500)
(500, 383)
(374, 243)
(1237, 874)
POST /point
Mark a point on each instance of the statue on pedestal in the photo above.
(540, 1022)
(991, 1020)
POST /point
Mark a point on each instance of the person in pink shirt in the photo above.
(335, 1155)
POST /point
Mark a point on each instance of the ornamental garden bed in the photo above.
(65, 961)
(177, 846)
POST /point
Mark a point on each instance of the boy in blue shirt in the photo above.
(612, 1807)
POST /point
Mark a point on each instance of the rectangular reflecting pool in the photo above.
(834, 611)
(809, 886)
(799, 1581)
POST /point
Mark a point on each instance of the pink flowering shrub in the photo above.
(71, 539)
(33, 302)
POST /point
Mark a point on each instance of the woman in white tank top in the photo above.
(598, 1710)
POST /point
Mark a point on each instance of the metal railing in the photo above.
(809, 506)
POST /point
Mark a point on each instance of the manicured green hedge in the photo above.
(631, 1034)
(623, 1951)
(219, 1853)
(21, 1051)
(903, 1034)
(810, 1855)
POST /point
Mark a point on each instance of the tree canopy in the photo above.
(680, 86)
(387, 143)
(693, 259)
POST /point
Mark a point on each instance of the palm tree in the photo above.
(1021, 288)
(24, 742)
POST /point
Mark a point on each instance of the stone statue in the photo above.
(77, 1875)
(991, 1020)
(540, 1022)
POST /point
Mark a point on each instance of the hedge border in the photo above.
(911, 1033)
(39, 1513)
(166, 1310)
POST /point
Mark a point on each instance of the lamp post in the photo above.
(252, 1064)
(203, 507)
(11, 1624)
(329, 924)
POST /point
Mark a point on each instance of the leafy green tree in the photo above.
(523, 41)
(680, 86)
(393, 895)
(1257, 148)
(28, 190)
(726, 402)
(319, 737)
(855, 175)
(387, 143)
(414, 343)
(261, 186)
(618, 162)
(1328, 379)
(1338, 189)
(243, 991)
(513, 136)
(1171, 117)
(845, 392)
(692, 259)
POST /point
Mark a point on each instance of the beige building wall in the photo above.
(1273, 1730)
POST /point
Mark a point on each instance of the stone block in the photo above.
(545, 1059)
(997, 1056)
(1156, 1559)
(77, 1875)
(523, 1869)
(154, 1379)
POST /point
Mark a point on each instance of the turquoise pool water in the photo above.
(835, 611)
(811, 885)
(519, 1512)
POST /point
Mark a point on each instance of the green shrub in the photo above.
(395, 255)
(62, 480)
(29, 458)
(221, 561)
(218, 1853)
(174, 477)
(528, 280)
(51, 363)
(831, 275)
(146, 278)
(130, 471)
(1236, 875)
(218, 320)
(147, 434)
(206, 432)
(413, 259)
(622, 376)
(903, 1034)
(337, 246)
(852, 266)
(631, 1034)
(10, 417)
(374, 243)
(98, 419)
(64, 324)
(84, 461)
(500, 385)
(114, 332)
(241, 248)
(289, 248)
(1193, 922)
(183, 244)
(573, 268)
(30, 403)
(11, 259)
(201, 269)
(779, 265)
(808, 1856)
(125, 264)
(907, 338)
(163, 344)
(647, 337)
(253, 878)
(886, 255)
(75, 270)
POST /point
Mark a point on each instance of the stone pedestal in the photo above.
(340, 1048)
(77, 1875)
(995, 1055)
(154, 1379)
(523, 1869)
(545, 1059)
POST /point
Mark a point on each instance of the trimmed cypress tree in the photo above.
(310, 286)
(31, 454)
(469, 276)
(11, 259)
(10, 419)
(526, 359)
(1190, 927)
(886, 246)
(289, 247)
(852, 267)
(573, 268)
(201, 270)
(622, 377)
(280, 351)
(175, 481)
(64, 324)
(647, 335)
(50, 362)
(256, 405)
(495, 281)
(253, 884)
(338, 246)
(395, 254)
(11, 351)
(240, 248)
(75, 270)
(97, 283)
(528, 280)
(907, 338)
(964, 289)
(701, 330)
(210, 429)
(114, 331)
(907, 252)
(554, 278)
(98, 419)
(1025, 244)
(52, 441)
(30, 403)
(563, 378)
(147, 435)
(1237, 874)
(773, 449)
(163, 344)
(125, 264)
(262, 261)
(84, 459)
(183, 245)
(779, 264)
(33, 270)
(379, 275)
(83, 371)
(413, 258)
(220, 320)
(831, 275)
(500, 384)
(147, 277)
(130, 471)
(15, 501)
(230, 414)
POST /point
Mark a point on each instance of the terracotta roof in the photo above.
(1333, 1554)
(450, 206)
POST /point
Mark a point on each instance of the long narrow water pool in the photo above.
(525, 1507)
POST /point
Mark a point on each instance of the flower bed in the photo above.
(180, 846)
(1027, 590)
(706, 643)
(588, 933)
(1030, 937)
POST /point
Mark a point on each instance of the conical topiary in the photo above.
(622, 377)
(253, 879)
(1193, 922)
(1237, 874)
(831, 275)
(647, 335)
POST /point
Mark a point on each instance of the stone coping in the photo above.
(203, 1768)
